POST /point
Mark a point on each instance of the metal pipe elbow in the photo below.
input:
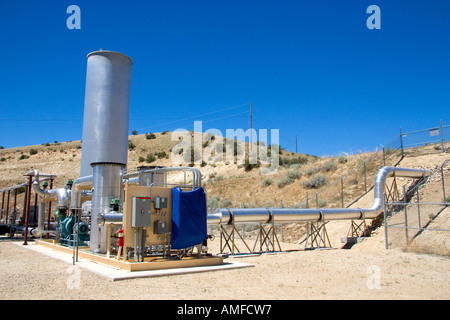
(75, 194)
(60, 194)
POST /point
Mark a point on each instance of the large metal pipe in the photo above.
(106, 110)
(61, 195)
(107, 184)
(77, 186)
(196, 174)
(285, 215)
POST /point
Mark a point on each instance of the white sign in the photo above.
(434, 132)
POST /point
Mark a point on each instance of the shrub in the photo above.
(266, 182)
(2, 159)
(287, 162)
(226, 203)
(321, 202)
(249, 167)
(284, 182)
(161, 154)
(33, 151)
(20, 190)
(317, 181)
(23, 157)
(342, 159)
(150, 135)
(213, 203)
(265, 171)
(192, 156)
(131, 145)
(310, 171)
(150, 158)
(329, 166)
(294, 174)
(141, 159)
(299, 205)
(134, 132)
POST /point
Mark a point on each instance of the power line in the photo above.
(196, 116)
(229, 116)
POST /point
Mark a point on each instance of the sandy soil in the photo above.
(367, 271)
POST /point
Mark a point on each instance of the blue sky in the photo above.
(311, 68)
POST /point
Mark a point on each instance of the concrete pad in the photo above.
(114, 274)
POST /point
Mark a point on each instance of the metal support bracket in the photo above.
(317, 236)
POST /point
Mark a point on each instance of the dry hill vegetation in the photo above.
(295, 274)
(227, 183)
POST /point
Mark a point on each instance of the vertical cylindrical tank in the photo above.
(106, 184)
(106, 110)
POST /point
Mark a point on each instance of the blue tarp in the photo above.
(188, 218)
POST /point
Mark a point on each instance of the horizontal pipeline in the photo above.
(288, 215)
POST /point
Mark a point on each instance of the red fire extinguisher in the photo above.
(120, 242)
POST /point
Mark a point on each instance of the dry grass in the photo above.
(319, 274)
(227, 183)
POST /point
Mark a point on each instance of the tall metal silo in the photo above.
(106, 110)
(105, 132)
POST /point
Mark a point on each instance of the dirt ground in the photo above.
(367, 271)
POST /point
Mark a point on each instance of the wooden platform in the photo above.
(154, 263)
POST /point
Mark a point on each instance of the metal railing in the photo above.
(350, 187)
(435, 135)
(417, 220)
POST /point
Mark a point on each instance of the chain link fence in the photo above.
(432, 138)
(417, 218)
(349, 188)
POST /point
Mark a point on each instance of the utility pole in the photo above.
(296, 144)
(251, 138)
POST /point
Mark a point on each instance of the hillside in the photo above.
(293, 274)
(225, 183)
(228, 184)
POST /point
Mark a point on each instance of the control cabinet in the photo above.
(160, 202)
(141, 212)
(159, 227)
